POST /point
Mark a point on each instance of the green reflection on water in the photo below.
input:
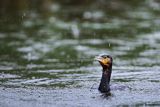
(25, 25)
(135, 52)
(52, 44)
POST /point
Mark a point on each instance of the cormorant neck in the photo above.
(104, 86)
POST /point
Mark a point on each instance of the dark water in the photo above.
(47, 51)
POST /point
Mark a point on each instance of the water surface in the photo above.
(47, 52)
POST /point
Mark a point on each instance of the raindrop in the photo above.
(109, 45)
(24, 14)
(75, 30)
(29, 57)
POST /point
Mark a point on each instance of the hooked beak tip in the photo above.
(97, 58)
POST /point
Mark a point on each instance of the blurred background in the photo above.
(52, 44)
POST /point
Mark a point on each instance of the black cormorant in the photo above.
(106, 63)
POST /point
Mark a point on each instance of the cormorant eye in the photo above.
(104, 57)
(108, 56)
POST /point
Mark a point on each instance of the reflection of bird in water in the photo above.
(106, 63)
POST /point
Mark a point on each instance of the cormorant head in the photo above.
(104, 60)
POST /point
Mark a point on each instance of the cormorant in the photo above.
(106, 63)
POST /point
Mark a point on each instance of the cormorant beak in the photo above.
(103, 61)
